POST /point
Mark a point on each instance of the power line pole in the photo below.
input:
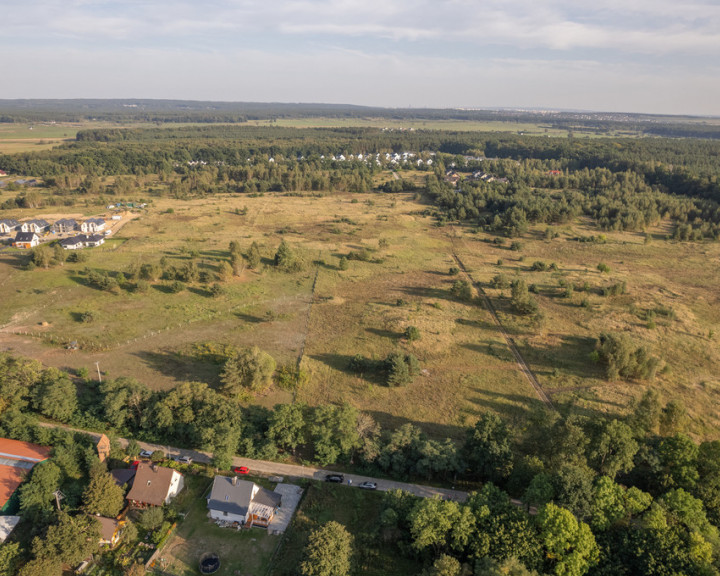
(58, 496)
(97, 365)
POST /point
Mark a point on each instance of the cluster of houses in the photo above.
(28, 232)
(452, 177)
(231, 501)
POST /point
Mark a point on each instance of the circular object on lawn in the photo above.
(209, 563)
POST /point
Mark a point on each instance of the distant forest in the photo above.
(621, 183)
(183, 111)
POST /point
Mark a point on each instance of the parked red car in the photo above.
(241, 470)
(134, 465)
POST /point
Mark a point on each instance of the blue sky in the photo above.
(655, 56)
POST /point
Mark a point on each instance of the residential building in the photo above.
(64, 225)
(233, 500)
(110, 530)
(26, 240)
(155, 485)
(37, 226)
(7, 226)
(92, 225)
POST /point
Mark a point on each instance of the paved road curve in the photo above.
(264, 467)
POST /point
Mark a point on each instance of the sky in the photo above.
(647, 56)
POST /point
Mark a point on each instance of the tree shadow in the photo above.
(384, 333)
(181, 367)
(479, 324)
(572, 356)
(341, 363)
(162, 288)
(391, 422)
(249, 318)
(200, 291)
(427, 292)
(17, 260)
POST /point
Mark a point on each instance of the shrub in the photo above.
(87, 316)
(400, 369)
(603, 268)
(623, 358)
(500, 281)
(77, 256)
(412, 333)
(461, 290)
(539, 266)
(521, 300)
(516, 246)
(176, 287)
(454, 271)
(343, 264)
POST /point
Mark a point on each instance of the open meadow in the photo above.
(323, 316)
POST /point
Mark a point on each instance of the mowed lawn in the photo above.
(359, 511)
(246, 552)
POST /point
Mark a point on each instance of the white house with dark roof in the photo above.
(92, 225)
(82, 241)
(234, 500)
(7, 226)
(36, 226)
(26, 240)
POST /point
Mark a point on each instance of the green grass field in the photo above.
(359, 511)
(247, 552)
(467, 367)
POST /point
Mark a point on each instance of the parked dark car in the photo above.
(337, 478)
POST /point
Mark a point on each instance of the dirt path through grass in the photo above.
(519, 360)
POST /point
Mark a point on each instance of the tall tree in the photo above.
(102, 495)
(328, 552)
(570, 547)
(55, 395)
(487, 449)
(248, 369)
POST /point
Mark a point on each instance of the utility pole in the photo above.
(58, 496)
(97, 365)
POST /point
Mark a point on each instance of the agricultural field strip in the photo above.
(519, 360)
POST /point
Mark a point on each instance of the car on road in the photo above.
(368, 485)
(183, 459)
(241, 470)
(337, 478)
(146, 453)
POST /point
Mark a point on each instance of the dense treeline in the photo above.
(181, 111)
(606, 496)
(621, 184)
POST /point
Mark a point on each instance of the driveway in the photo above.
(291, 495)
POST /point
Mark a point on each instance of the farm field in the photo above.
(528, 128)
(324, 316)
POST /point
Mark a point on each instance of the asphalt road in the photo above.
(289, 471)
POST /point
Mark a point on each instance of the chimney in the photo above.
(234, 480)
